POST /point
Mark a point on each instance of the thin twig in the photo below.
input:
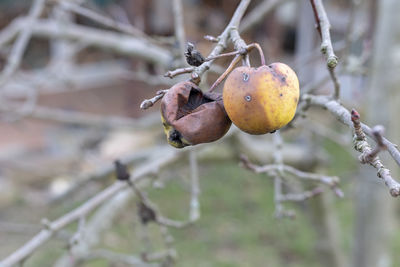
(243, 52)
(179, 27)
(147, 103)
(323, 27)
(344, 116)
(172, 73)
(336, 84)
(195, 186)
(106, 170)
(194, 213)
(120, 42)
(211, 38)
(298, 197)
(331, 181)
(101, 19)
(220, 46)
(370, 156)
(52, 227)
(259, 13)
(223, 38)
(82, 118)
(15, 56)
(278, 190)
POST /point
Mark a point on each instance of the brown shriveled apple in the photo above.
(192, 117)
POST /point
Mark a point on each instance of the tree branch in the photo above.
(15, 56)
(52, 227)
(103, 20)
(122, 43)
(370, 156)
(344, 116)
(323, 27)
(179, 28)
(223, 38)
(258, 13)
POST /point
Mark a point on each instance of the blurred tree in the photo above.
(374, 207)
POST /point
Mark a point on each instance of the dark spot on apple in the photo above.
(246, 77)
(280, 94)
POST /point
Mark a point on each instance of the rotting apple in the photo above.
(261, 100)
(192, 117)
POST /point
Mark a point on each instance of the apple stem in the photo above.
(235, 60)
(256, 45)
(234, 53)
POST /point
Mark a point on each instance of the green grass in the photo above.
(237, 226)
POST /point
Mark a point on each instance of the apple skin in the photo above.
(191, 117)
(261, 100)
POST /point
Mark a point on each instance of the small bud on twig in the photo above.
(355, 118)
(211, 38)
(193, 57)
(121, 171)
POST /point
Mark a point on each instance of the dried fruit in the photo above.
(261, 100)
(192, 117)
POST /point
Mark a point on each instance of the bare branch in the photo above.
(323, 27)
(301, 196)
(336, 84)
(330, 181)
(172, 73)
(147, 103)
(107, 169)
(223, 38)
(370, 156)
(179, 27)
(258, 13)
(343, 115)
(101, 19)
(221, 45)
(82, 118)
(43, 236)
(211, 38)
(195, 186)
(360, 143)
(194, 213)
(278, 190)
(119, 42)
(15, 56)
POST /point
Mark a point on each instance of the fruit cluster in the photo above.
(257, 100)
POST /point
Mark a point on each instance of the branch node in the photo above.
(332, 61)
(46, 224)
(193, 57)
(211, 38)
(147, 103)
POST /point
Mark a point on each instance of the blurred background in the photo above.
(70, 106)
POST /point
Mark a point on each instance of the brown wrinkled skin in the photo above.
(200, 118)
(261, 100)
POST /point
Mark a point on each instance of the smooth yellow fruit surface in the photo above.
(261, 100)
